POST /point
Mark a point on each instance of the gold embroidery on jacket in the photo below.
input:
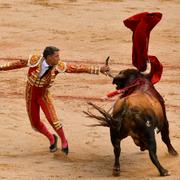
(46, 81)
(52, 113)
(61, 67)
(34, 60)
(28, 103)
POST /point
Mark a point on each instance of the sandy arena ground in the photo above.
(89, 31)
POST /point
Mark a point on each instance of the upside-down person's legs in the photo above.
(33, 110)
(49, 111)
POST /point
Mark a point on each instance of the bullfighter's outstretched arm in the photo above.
(34, 60)
(21, 63)
(81, 68)
(13, 65)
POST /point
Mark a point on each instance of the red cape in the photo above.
(141, 24)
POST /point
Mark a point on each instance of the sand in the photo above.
(86, 31)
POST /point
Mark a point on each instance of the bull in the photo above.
(138, 112)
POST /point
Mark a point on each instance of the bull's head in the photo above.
(125, 77)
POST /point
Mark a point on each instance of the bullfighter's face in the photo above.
(53, 59)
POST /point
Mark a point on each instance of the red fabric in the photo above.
(114, 93)
(141, 24)
(156, 69)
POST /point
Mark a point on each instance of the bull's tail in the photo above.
(105, 120)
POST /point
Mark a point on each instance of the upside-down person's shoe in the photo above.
(65, 150)
(53, 147)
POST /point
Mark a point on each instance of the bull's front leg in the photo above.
(117, 150)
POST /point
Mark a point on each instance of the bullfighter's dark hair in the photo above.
(49, 50)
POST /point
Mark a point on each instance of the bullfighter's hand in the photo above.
(105, 69)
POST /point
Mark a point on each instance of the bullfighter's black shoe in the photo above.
(53, 147)
(65, 150)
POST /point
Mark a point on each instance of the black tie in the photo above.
(47, 70)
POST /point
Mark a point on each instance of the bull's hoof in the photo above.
(165, 173)
(116, 171)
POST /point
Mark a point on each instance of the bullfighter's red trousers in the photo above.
(37, 97)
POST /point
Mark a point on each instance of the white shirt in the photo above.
(44, 67)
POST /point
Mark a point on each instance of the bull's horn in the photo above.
(109, 73)
(148, 69)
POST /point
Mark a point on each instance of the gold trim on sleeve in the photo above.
(94, 69)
